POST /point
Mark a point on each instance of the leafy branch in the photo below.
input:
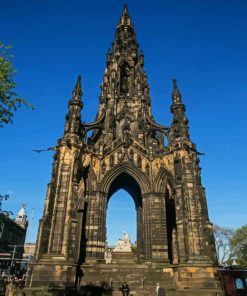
(9, 100)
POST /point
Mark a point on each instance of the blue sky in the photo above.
(201, 43)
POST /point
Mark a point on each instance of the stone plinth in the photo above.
(123, 257)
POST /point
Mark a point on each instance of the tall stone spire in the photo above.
(176, 95)
(180, 127)
(125, 37)
(124, 85)
(73, 123)
(77, 92)
(125, 18)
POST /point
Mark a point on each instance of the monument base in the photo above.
(179, 280)
(123, 257)
(52, 272)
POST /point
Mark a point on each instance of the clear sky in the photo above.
(201, 43)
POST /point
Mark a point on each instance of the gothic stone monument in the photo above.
(157, 165)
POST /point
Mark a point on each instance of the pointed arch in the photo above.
(124, 114)
(163, 178)
(130, 170)
(91, 181)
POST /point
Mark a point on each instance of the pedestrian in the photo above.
(159, 290)
(125, 289)
(79, 275)
(11, 287)
(18, 292)
(19, 288)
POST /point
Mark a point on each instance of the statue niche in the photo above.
(125, 78)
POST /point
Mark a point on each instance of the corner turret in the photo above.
(73, 125)
(179, 127)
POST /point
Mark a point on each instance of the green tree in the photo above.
(3, 214)
(9, 100)
(238, 245)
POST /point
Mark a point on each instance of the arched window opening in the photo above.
(121, 216)
(171, 226)
(239, 284)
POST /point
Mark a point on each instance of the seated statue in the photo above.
(123, 244)
(126, 237)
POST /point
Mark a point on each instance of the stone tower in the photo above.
(157, 165)
(21, 217)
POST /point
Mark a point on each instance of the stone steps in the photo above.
(141, 279)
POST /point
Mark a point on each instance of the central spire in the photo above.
(125, 37)
(124, 94)
(125, 18)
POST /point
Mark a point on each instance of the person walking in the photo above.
(125, 289)
(19, 288)
(159, 290)
(11, 287)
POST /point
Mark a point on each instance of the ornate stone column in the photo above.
(154, 226)
(95, 227)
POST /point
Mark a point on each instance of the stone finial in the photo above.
(176, 95)
(125, 10)
(73, 122)
(125, 18)
(179, 128)
(77, 91)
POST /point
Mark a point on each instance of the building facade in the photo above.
(12, 239)
(234, 280)
(157, 165)
(28, 256)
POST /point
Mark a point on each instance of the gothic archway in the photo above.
(93, 234)
(120, 219)
(129, 169)
(129, 184)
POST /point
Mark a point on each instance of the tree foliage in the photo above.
(3, 214)
(238, 245)
(9, 100)
(223, 237)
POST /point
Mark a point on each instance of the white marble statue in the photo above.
(123, 244)
(126, 238)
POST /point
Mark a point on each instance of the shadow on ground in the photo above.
(91, 290)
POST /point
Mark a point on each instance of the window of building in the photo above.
(239, 284)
